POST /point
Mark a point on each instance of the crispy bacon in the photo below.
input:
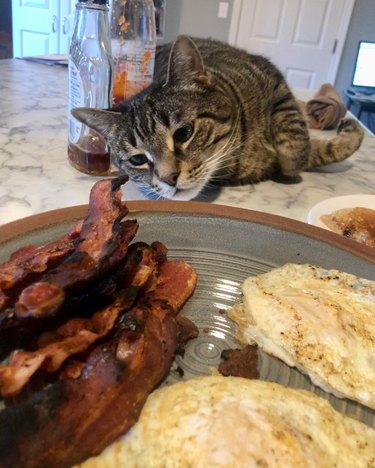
(101, 232)
(111, 312)
(240, 362)
(176, 281)
(102, 244)
(33, 259)
(78, 271)
(23, 364)
(28, 262)
(160, 251)
(76, 335)
(79, 416)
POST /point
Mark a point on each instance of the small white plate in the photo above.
(337, 203)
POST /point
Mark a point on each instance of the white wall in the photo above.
(197, 18)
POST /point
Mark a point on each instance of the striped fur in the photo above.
(213, 114)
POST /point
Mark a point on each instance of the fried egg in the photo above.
(217, 421)
(320, 321)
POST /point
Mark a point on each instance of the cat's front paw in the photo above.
(350, 126)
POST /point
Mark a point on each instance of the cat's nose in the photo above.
(171, 179)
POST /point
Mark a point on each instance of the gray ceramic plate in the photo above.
(225, 245)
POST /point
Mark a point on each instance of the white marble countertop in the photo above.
(35, 175)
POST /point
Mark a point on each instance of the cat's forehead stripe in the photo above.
(132, 139)
(143, 126)
(138, 131)
(164, 119)
(151, 123)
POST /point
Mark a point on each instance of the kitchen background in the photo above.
(48, 31)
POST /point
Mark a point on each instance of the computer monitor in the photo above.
(364, 69)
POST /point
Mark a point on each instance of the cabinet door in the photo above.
(67, 12)
(35, 27)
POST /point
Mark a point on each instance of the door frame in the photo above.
(341, 33)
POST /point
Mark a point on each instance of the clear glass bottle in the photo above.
(90, 84)
(133, 42)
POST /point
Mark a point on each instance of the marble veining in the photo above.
(35, 175)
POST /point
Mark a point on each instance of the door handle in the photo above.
(54, 23)
(66, 25)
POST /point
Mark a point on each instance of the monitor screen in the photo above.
(364, 70)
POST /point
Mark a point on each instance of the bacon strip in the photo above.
(78, 334)
(176, 282)
(101, 234)
(29, 261)
(23, 364)
(102, 244)
(78, 271)
(76, 418)
(34, 259)
(40, 303)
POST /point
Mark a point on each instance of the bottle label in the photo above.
(134, 70)
(75, 100)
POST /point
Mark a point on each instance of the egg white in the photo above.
(217, 421)
(320, 321)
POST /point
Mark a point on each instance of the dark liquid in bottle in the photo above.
(90, 155)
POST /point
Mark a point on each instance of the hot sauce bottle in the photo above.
(90, 84)
(133, 42)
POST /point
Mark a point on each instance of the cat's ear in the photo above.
(100, 120)
(185, 61)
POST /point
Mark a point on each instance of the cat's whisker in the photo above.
(209, 172)
(222, 158)
(223, 150)
(220, 155)
(227, 149)
(216, 178)
(224, 164)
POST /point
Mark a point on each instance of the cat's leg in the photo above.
(291, 135)
(349, 138)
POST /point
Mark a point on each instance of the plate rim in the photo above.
(37, 221)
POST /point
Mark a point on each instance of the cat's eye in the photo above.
(182, 134)
(138, 160)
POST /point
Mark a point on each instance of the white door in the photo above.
(67, 11)
(42, 27)
(35, 27)
(303, 38)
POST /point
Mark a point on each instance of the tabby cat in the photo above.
(213, 114)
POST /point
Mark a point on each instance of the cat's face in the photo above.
(173, 138)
